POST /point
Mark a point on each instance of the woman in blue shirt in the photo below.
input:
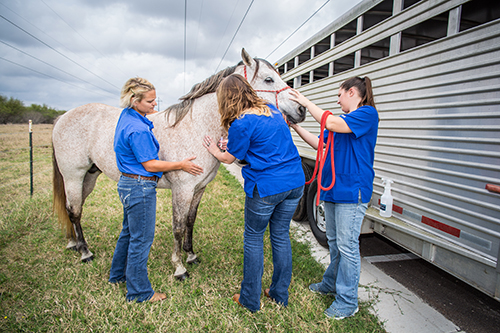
(355, 136)
(274, 181)
(136, 151)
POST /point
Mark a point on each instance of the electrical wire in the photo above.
(69, 25)
(61, 70)
(198, 32)
(243, 19)
(185, 20)
(224, 33)
(297, 29)
(42, 32)
(39, 40)
(33, 70)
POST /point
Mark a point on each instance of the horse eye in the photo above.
(269, 80)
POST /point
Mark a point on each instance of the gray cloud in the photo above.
(90, 48)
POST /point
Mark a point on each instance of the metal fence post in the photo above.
(31, 158)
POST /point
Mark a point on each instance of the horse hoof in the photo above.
(195, 261)
(88, 259)
(182, 277)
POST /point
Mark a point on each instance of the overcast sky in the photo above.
(69, 53)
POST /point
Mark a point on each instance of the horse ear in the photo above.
(247, 59)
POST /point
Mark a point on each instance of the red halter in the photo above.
(271, 91)
(320, 157)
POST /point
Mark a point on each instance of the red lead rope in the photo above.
(321, 157)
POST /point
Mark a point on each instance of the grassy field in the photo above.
(45, 288)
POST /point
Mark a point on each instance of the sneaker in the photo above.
(333, 313)
(316, 288)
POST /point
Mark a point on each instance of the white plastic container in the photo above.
(386, 199)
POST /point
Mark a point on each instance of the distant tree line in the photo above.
(13, 111)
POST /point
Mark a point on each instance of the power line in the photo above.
(33, 70)
(69, 25)
(41, 31)
(185, 19)
(39, 40)
(297, 29)
(224, 33)
(61, 70)
(198, 32)
(243, 19)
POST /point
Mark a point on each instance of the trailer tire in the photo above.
(316, 215)
(300, 214)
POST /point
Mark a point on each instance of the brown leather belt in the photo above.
(155, 178)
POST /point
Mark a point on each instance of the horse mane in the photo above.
(206, 87)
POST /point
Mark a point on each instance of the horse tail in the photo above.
(59, 198)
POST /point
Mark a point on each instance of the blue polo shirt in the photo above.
(135, 143)
(354, 156)
(274, 164)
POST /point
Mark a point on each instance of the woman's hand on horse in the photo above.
(190, 167)
(207, 143)
(296, 96)
(223, 157)
(166, 166)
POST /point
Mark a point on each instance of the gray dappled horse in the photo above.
(83, 149)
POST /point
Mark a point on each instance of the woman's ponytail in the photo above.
(364, 87)
(368, 99)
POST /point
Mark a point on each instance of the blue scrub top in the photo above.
(135, 143)
(274, 164)
(354, 156)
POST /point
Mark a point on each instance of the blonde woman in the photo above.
(136, 151)
(274, 181)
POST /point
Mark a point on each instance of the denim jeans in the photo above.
(277, 211)
(130, 259)
(343, 227)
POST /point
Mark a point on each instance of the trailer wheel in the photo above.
(300, 214)
(316, 215)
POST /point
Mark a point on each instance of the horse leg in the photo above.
(188, 236)
(76, 193)
(181, 202)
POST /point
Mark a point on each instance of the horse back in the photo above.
(84, 136)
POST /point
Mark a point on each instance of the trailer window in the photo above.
(477, 12)
(346, 32)
(320, 73)
(281, 69)
(377, 14)
(304, 56)
(304, 78)
(290, 65)
(290, 83)
(343, 64)
(425, 32)
(375, 51)
(409, 3)
(322, 46)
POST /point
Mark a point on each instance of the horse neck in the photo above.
(204, 113)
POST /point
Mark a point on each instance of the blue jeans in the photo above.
(343, 227)
(277, 211)
(130, 259)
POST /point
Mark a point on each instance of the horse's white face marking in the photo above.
(271, 87)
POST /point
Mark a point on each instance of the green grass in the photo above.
(45, 288)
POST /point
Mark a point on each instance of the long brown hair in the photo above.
(236, 98)
(364, 87)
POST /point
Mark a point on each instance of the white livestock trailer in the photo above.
(435, 68)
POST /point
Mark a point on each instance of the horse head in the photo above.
(268, 84)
